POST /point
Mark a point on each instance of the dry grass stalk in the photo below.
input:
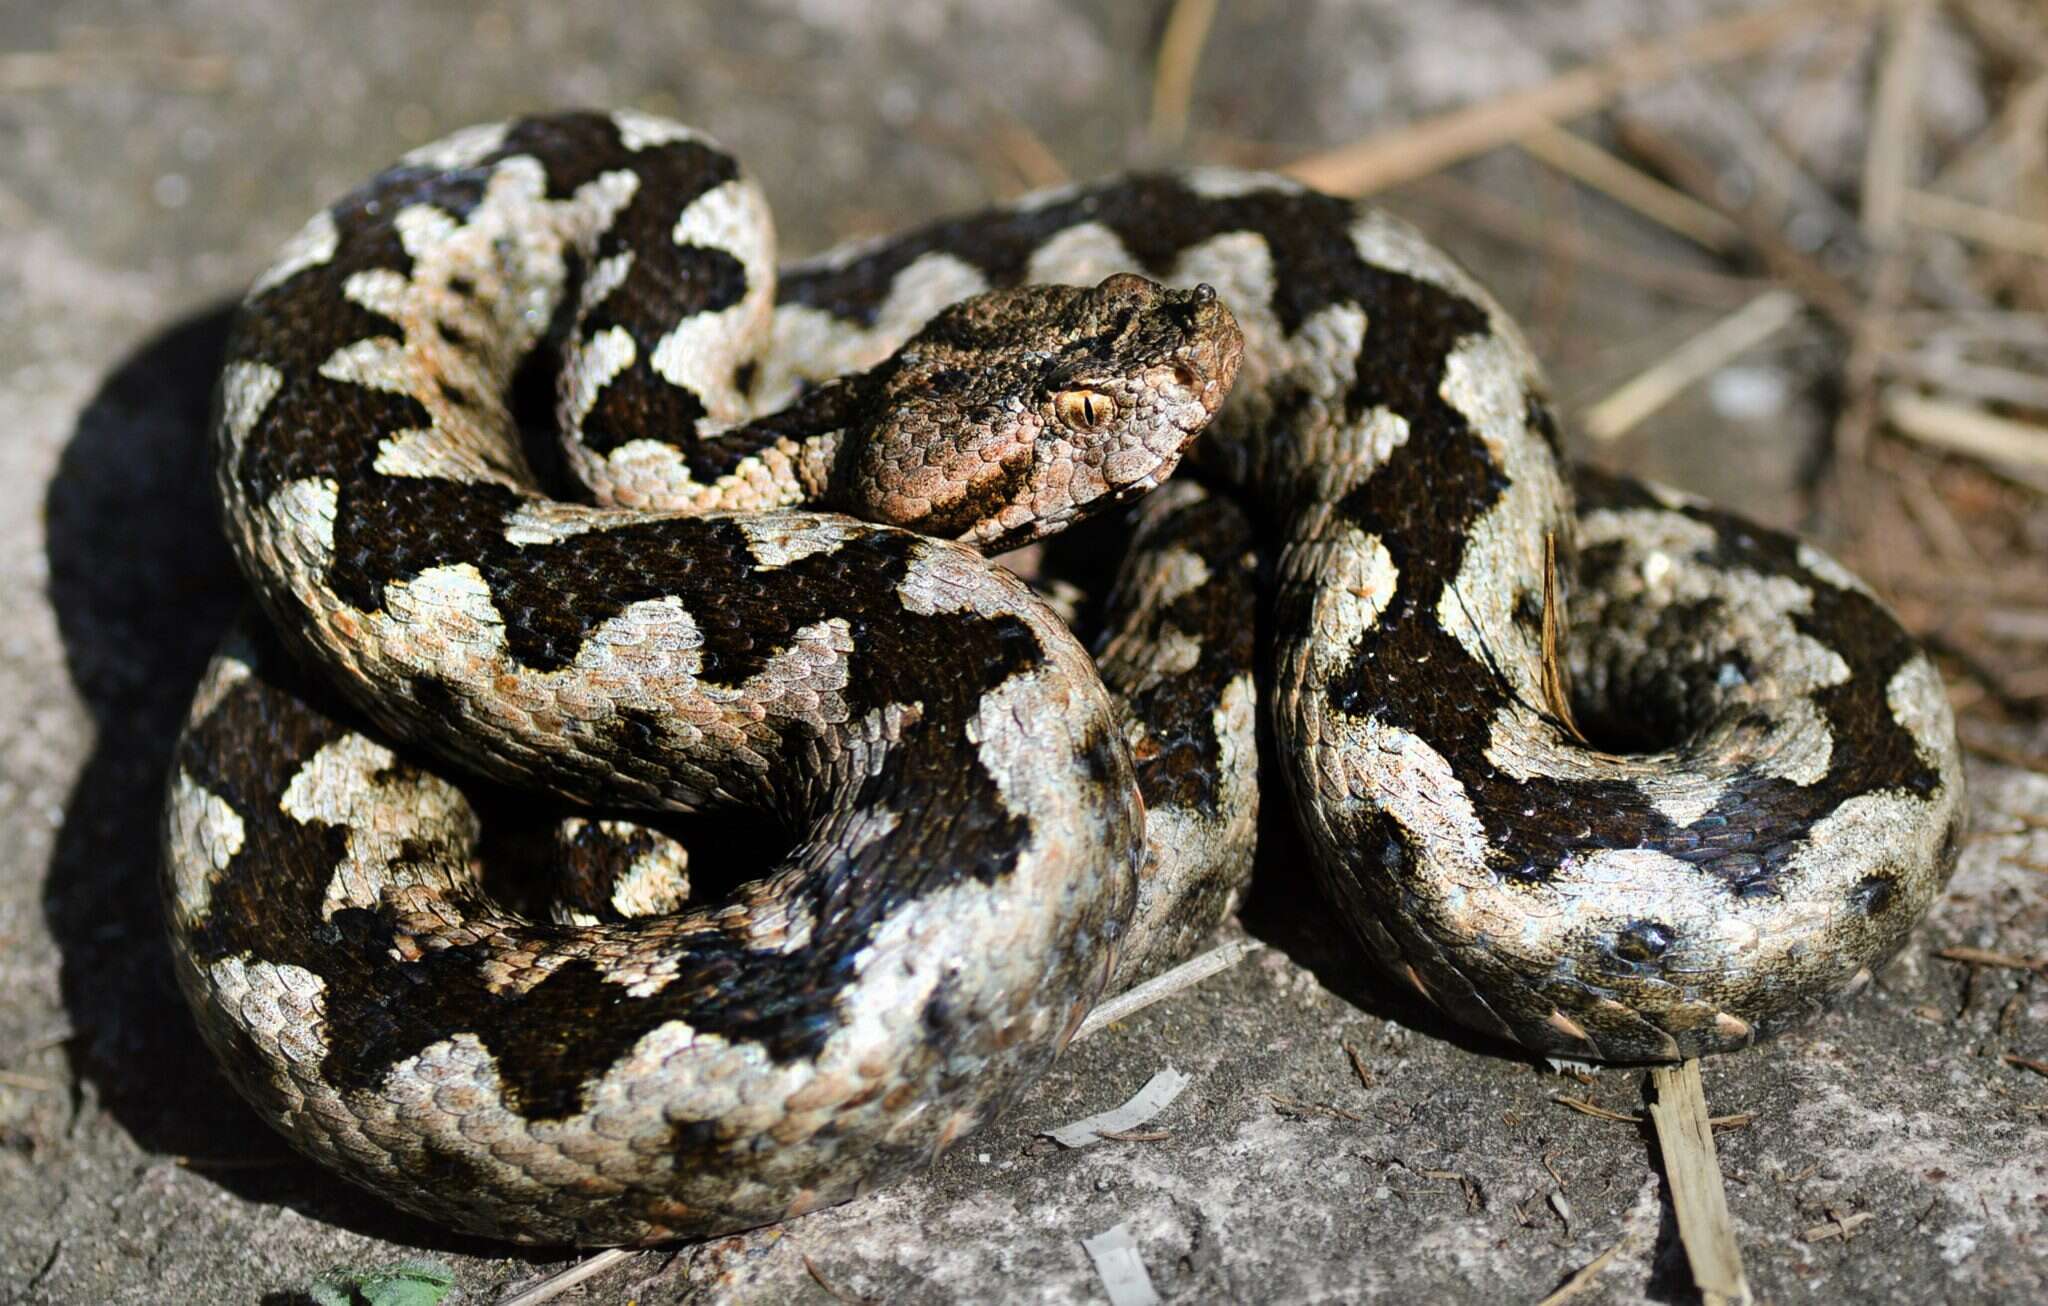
(1580, 159)
(1973, 222)
(1406, 153)
(1159, 987)
(1998, 152)
(1893, 157)
(1698, 1199)
(1999, 960)
(1839, 1227)
(1662, 276)
(1173, 72)
(1024, 150)
(1807, 278)
(1698, 358)
(562, 1280)
(1583, 1278)
(52, 70)
(1966, 429)
(1890, 164)
(1557, 696)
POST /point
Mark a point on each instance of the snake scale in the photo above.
(710, 596)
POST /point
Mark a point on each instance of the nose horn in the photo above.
(1187, 309)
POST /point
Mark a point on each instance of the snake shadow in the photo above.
(143, 587)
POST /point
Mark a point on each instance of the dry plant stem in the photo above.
(1813, 283)
(1986, 957)
(831, 1289)
(1424, 147)
(2013, 28)
(1890, 165)
(1966, 429)
(1582, 1279)
(1139, 996)
(1698, 358)
(1941, 369)
(1654, 274)
(1024, 150)
(1840, 1227)
(1698, 1200)
(560, 1282)
(1557, 697)
(1173, 73)
(29, 1083)
(1974, 222)
(23, 71)
(1580, 159)
(1931, 514)
(1893, 158)
(2002, 755)
(1998, 154)
(1784, 185)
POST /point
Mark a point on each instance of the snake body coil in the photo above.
(611, 1060)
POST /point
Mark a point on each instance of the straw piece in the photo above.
(1974, 222)
(1404, 153)
(1698, 1198)
(1173, 73)
(1698, 358)
(1966, 429)
(1580, 159)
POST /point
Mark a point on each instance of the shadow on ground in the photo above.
(143, 586)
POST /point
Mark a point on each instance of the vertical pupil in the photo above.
(1088, 409)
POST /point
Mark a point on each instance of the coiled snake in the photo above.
(610, 1060)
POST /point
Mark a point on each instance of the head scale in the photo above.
(1015, 412)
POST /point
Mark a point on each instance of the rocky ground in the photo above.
(151, 156)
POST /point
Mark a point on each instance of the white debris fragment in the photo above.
(1123, 1276)
(1149, 1101)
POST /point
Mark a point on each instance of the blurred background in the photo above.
(1791, 256)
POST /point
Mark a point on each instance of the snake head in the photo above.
(1015, 413)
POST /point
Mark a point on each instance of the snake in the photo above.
(573, 527)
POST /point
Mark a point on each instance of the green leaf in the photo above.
(416, 1282)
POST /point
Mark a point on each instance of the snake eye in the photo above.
(1084, 410)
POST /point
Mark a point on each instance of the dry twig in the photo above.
(1698, 358)
(833, 1290)
(1658, 275)
(1812, 282)
(1698, 1199)
(1173, 72)
(1583, 1277)
(1839, 1227)
(1290, 1106)
(560, 1282)
(1974, 222)
(1424, 147)
(1580, 159)
(1159, 987)
(1966, 429)
(1358, 1066)
(2000, 960)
